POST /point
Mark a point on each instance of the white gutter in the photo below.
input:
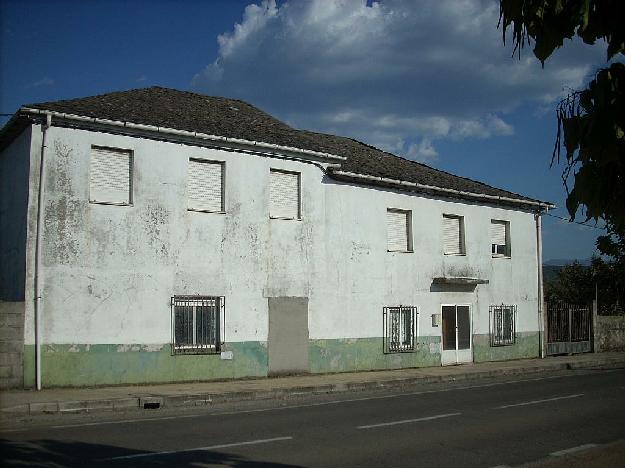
(37, 274)
(405, 183)
(184, 133)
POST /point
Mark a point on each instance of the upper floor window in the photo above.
(399, 230)
(500, 238)
(110, 176)
(284, 194)
(453, 235)
(206, 189)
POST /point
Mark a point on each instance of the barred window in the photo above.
(502, 325)
(197, 324)
(400, 323)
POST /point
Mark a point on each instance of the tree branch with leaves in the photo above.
(591, 122)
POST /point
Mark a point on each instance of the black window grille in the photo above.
(502, 325)
(400, 324)
(197, 324)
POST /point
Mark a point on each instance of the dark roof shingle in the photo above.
(183, 110)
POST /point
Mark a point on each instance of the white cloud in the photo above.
(45, 81)
(397, 74)
(424, 151)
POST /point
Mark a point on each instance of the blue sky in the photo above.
(428, 80)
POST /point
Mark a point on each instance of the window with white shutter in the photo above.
(453, 235)
(398, 229)
(284, 195)
(110, 176)
(205, 189)
(500, 238)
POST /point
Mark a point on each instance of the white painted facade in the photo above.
(109, 271)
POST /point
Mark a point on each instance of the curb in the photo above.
(155, 401)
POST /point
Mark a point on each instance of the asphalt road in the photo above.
(485, 424)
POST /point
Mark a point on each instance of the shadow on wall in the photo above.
(455, 288)
(71, 453)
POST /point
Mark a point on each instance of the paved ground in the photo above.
(18, 405)
(559, 418)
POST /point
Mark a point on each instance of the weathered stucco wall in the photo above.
(610, 333)
(14, 176)
(109, 271)
(11, 344)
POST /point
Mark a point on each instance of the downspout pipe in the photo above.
(37, 274)
(541, 298)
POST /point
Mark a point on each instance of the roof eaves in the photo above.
(442, 190)
(172, 131)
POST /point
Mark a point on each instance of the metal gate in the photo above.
(569, 328)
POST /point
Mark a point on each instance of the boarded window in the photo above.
(500, 238)
(398, 228)
(284, 194)
(205, 191)
(453, 235)
(110, 176)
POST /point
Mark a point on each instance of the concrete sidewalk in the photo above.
(19, 403)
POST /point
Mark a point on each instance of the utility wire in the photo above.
(576, 222)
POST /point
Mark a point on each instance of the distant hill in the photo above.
(567, 261)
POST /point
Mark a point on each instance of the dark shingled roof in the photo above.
(233, 118)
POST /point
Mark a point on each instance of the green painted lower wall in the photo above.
(104, 364)
(343, 355)
(110, 364)
(527, 346)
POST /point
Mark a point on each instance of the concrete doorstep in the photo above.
(19, 403)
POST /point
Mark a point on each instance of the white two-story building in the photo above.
(156, 235)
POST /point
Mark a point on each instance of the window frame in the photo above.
(502, 325)
(222, 210)
(215, 345)
(131, 173)
(299, 194)
(398, 334)
(507, 246)
(461, 235)
(409, 240)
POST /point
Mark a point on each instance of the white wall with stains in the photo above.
(109, 271)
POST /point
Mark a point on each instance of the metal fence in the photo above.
(197, 324)
(569, 328)
(399, 324)
(502, 325)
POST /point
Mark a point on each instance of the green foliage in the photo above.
(591, 123)
(549, 22)
(591, 127)
(578, 284)
(574, 284)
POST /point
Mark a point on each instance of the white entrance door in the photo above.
(457, 334)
